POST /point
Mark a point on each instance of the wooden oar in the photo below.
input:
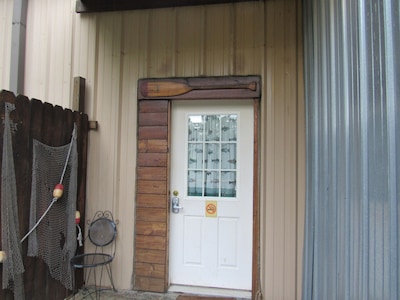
(171, 88)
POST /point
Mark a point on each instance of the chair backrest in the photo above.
(103, 229)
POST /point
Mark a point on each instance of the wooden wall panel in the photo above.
(149, 283)
(150, 200)
(153, 132)
(152, 189)
(151, 228)
(149, 270)
(146, 241)
(158, 146)
(151, 214)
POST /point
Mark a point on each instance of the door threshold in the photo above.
(210, 291)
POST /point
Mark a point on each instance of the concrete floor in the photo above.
(121, 295)
(137, 295)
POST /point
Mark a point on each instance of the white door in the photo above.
(212, 172)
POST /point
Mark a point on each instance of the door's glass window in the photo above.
(212, 159)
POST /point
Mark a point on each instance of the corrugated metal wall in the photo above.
(353, 146)
(113, 50)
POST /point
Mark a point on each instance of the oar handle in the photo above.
(250, 86)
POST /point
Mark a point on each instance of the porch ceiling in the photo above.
(86, 6)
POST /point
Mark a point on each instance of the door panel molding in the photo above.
(152, 174)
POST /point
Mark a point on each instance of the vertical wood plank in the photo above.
(23, 167)
(82, 124)
(39, 268)
(78, 97)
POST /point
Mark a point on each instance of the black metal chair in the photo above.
(102, 234)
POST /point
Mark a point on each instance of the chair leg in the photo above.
(96, 290)
(109, 271)
(90, 272)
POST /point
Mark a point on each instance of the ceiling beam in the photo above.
(86, 6)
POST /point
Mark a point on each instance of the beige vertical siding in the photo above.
(49, 41)
(113, 50)
(189, 59)
(281, 147)
(301, 154)
(6, 11)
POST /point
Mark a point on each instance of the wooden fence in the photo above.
(51, 125)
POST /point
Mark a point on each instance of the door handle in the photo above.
(175, 203)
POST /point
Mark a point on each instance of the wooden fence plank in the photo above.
(82, 123)
(23, 166)
(44, 118)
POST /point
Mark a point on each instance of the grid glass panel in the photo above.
(212, 155)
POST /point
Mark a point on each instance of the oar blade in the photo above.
(164, 89)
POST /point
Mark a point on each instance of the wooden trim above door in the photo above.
(152, 173)
(225, 87)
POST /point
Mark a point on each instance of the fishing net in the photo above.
(13, 267)
(54, 239)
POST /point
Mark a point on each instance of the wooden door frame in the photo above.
(152, 211)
